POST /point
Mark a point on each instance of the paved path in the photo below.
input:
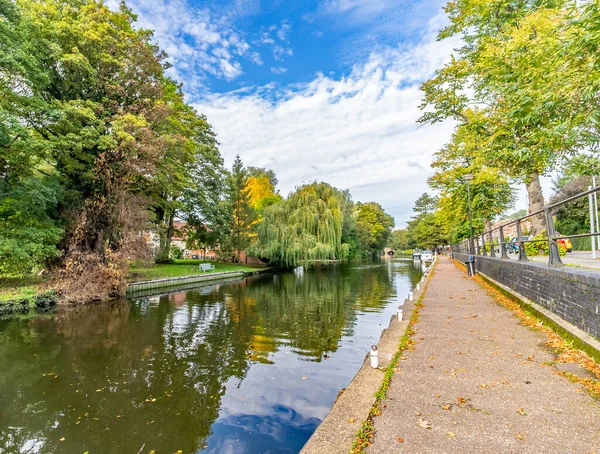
(477, 378)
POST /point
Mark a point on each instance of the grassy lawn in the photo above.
(12, 288)
(181, 268)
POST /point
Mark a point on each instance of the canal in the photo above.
(251, 366)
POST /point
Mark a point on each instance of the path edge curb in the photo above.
(326, 437)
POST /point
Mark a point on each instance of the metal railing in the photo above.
(473, 246)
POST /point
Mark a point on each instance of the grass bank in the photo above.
(14, 288)
(148, 272)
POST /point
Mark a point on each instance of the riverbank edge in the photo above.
(46, 300)
(579, 338)
(185, 280)
(352, 408)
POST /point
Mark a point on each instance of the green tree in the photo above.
(508, 64)
(490, 189)
(303, 228)
(87, 111)
(374, 227)
(399, 240)
(29, 228)
(242, 213)
(425, 204)
(428, 228)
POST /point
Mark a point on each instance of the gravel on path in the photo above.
(478, 381)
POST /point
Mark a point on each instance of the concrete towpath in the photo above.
(477, 382)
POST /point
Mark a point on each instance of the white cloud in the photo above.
(197, 39)
(277, 37)
(357, 132)
(357, 7)
(278, 70)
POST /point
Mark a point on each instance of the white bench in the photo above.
(206, 267)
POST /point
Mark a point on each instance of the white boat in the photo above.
(427, 256)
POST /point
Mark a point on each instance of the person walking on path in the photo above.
(479, 381)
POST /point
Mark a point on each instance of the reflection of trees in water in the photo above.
(160, 377)
(153, 372)
(312, 311)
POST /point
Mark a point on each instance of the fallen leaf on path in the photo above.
(424, 424)
(445, 407)
(451, 434)
(351, 420)
(519, 436)
(521, 412)
(461, 400)
(400, 440)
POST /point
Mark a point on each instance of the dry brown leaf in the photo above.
(424, 423)
(445, 407)
(400, 440)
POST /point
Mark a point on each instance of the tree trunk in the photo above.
(165, 241)
(487, 226)
(536, 203)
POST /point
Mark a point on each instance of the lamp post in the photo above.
(469, 177)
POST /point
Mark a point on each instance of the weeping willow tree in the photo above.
(306, 227)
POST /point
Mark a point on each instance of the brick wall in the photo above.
(572, 294)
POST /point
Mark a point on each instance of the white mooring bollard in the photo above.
(411, 296)
(374, 357)
(400, 313)
(418, 287)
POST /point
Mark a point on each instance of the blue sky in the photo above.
(317, 90)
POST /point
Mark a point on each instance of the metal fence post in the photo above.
(522, 254)
(483, 252)
(553, 254)
(492, 251)
(503, 253)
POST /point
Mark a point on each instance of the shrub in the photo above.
(541, 247)
(175, 253)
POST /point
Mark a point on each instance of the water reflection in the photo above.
(251, 366)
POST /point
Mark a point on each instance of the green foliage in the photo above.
(176, 253)
(95, 141)
(541, 247)
(425, 204)
(428, 228)
(242, 214)
(374, 227)
(399, 240)
(522, 82)
(303, 228)
(29, 231)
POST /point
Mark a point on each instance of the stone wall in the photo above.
(571, 293)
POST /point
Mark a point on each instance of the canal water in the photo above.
(251, 366)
